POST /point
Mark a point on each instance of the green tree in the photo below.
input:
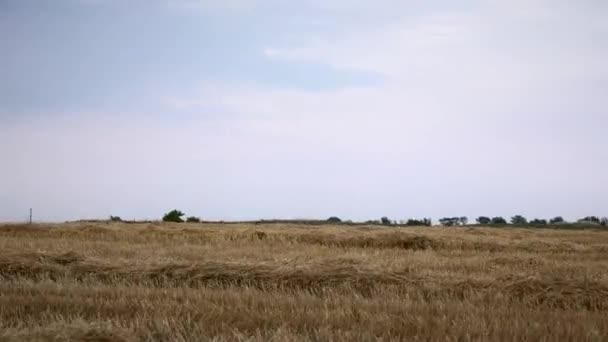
(590, 219)
(498, 220)
(414, 222)
(519, 220)
(449, 221)
(193, 219)
(173, 216)
(483, 220)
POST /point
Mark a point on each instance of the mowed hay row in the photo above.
(314, 278)
(467, 239)
(311, 277)
(204, 234)
(192, 282)
(32, 310)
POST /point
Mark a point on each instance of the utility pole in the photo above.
(30, 215)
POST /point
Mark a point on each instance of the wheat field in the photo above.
(112, 281)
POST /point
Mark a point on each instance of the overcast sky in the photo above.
(241, 109)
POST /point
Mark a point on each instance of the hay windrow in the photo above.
(400, 241)
(38, 266)
(552, 292)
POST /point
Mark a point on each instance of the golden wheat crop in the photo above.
(289, 282)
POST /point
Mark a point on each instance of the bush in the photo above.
(173, 216)
(519, 220)
(589, 220)
(115, 218)
(556, 220)
(454, 221)
(193, 219)
(498, 220)
(385, 221)
(449, 221)
(604, 221)
(483, 220)
(334, 219)
(424, 222)
(538, 222)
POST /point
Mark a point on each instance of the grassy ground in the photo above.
(192, 282)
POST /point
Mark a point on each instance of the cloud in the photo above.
(494, 108)
(486, 101)
(523, 40)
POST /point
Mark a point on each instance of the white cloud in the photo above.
(484, 101)
(495, 42)
(494, 95)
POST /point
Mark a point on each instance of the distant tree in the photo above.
(539, 221)
(449, 221)
(498, 220)
(604, 221)
(519, 220)
(483, 220)
(557, 220)
(385, 221)
(193, 219)
(173, 216)
(590, 219)
(334, 219)
(115, 218)
(453, 221)
(424, 222)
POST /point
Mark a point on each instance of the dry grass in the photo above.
(192, 282)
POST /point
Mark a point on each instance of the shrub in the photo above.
(604, 221)
(448, 222)
(589, 220)
(115, 218)
(334, 219)
(385, 221)
(424, 222)
(519, 220)
(538, 221)
(453, 221)
(173, 216)
(498, 220)
(557, 219)
(483, 220)
(193, 219)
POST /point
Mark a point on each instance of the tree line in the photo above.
(517, 220)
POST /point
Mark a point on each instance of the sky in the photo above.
(236, 109)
